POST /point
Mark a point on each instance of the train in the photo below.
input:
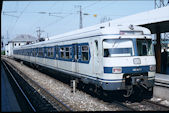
(109, 57)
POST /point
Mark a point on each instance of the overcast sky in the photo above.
(56, 17)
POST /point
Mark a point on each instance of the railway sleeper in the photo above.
(34, 97)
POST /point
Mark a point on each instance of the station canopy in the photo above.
(156, 20)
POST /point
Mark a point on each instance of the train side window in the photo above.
(57, 52)
(40, 52)
(96, 48)
(34, 52)
(52, 52)
(85, 53)
(62, 50)
(67, 53)
(28, 52)
(48, 52)
(45, 52)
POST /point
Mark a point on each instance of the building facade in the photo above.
(18, 41)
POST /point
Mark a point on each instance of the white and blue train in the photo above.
(109, 57)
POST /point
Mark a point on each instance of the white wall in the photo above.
(12, 45)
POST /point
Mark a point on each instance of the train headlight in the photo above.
(117, 70)
(153, 68)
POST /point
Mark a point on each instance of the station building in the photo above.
(19, 40)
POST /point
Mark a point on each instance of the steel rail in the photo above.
(44, 91)
(125, 107)
(19, 87)
(157, 104)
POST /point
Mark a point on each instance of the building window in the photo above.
(85, 53)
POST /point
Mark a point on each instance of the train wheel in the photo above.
(129, 91)
(148, 94)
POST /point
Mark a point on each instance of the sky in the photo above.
(57, 17)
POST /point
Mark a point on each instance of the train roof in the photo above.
(96, 30)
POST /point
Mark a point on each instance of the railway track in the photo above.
(130, 105)
(34, 101)
(123, 106)
(143, 105)
(155, 104)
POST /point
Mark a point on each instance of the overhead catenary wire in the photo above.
(90, 5)
(37, 22)
(56, 21)
(12, 28)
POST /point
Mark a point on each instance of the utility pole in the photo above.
(80, 15)
(39, 31)
(7, 35)
(81, 25)
(80, 12)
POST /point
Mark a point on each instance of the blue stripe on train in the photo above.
(134, 69)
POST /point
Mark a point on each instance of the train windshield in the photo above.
(144, 47)
(116, 47)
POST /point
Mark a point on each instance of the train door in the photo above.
(29, 55)
(75, 55)
(96, 58)
(57, 55)
(36, 55)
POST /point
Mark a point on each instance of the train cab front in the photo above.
(130, 61)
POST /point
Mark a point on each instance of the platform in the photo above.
(8, 100)
(164, 78)
(161, 88)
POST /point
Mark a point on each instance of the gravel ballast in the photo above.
(79, 101)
